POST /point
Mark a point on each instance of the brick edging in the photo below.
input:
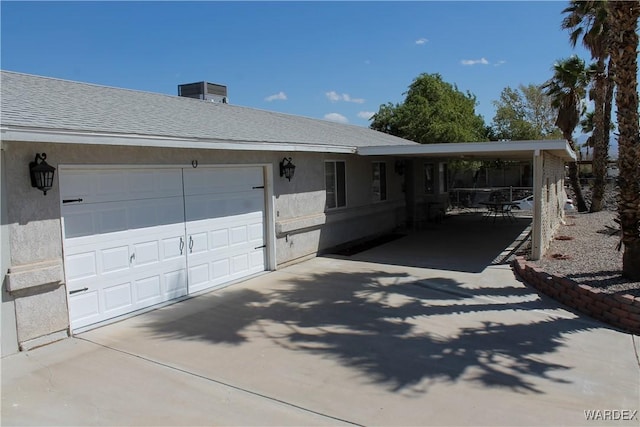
(621, 311)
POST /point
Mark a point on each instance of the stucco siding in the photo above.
(301, 226)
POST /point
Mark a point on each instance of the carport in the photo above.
(547, 157)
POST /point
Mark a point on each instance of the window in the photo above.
(429, 178)
(443, 177)
(379, 184)
(335, 183)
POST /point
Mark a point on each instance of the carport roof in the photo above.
(505, 150)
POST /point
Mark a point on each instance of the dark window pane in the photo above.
(341, 192)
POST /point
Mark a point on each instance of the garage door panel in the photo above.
(115, 259)
(120, 184)
(176, 283)
(173, 248)
(219, 239)
(84, 307)
(239, 264)
(224, 205)
(147, 253)
(221, 180)
(256, 260)
(148, 289)
(198, 243)
(112, 220)
(239, 234)
(81, 266)
(198, 276)
(221, 268)
(78, 224)
(117, 296)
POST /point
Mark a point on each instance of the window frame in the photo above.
(429, 189)
(382, 195)
(443, 177)
(336, 182)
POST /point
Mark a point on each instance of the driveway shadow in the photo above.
(465, 243)
(398, 332)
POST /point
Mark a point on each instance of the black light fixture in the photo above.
(287, 168)
(41, 173)
(399, 167)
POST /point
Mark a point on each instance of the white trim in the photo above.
(97, 138)
(482, 149)
(270, 209)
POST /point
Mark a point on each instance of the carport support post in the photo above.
(536, 226)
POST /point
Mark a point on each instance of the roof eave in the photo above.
(471, 150)
(19, 134)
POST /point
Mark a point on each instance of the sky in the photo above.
(328, 60)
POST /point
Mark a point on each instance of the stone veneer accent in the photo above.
(621, 311)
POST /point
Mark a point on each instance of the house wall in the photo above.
(35, 280)
(7, 307)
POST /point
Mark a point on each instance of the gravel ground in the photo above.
(584, 251)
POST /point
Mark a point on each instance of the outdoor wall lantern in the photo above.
(287, 168)
(399, 167)
(41, 173)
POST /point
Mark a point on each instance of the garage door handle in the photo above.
(78, 290)
(190, 244)
(260, 247)
(181, 245)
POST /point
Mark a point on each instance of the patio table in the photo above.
(502, 208)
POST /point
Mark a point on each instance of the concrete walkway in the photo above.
(335, 341)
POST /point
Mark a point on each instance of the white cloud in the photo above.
(334, 96)
(422, 41)
(366, 114)
(482, 61)
(335, 117)
(280, 96)
(499, 63)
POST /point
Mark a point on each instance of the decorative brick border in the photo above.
(621, 311)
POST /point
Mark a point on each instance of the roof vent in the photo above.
(204, 90)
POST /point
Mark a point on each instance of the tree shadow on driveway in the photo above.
(393, 330)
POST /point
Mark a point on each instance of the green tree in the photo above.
(567, 89)
(524, 114)
(433, 111)
(624, 55)
(587, 21)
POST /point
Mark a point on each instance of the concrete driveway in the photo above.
(335, 341)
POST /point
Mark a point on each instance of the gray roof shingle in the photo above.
(54, 104)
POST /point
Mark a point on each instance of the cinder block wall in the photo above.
(552, 197)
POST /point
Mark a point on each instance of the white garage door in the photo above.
(225, 224)
(128, 244)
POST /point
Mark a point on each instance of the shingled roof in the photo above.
(49, 104)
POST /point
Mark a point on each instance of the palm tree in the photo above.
(567, 90)
(587, 20)
(624, 47)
